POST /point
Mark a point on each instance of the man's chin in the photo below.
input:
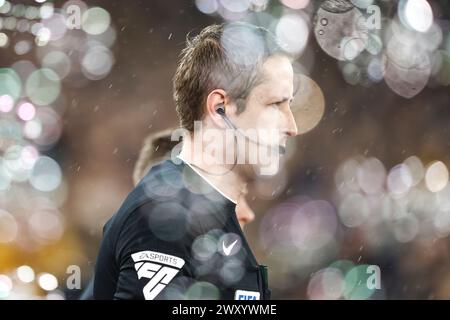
(267, 169)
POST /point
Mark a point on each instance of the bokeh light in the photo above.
(43, 86)
(416, 14)
(96, 20)
(6, 103)
(25, 274)
(47, 281)
(26, 111)
(293, 32)
(436, 176)
(46, 174)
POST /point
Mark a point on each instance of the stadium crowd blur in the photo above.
(365, 183)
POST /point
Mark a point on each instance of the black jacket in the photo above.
(176, 237)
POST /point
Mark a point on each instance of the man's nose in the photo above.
(291, 126)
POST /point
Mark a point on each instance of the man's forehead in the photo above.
(276, 83)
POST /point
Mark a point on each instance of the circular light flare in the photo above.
(242, 45)
(354, 210)
(29, 156)
(43, 36)
(9, 23)
(32, 129)
(416, 14)
(204, 247)
(436, 176)
(25, 274)
(313, 225)
(47, 226)
(416, 168)
(10, 83)
(95, 20)
(26, 111)
(371, 175)
(56, 25)
(22, 47)
(50, 126)
(97, 63)
(5, 7)
(333, 27)
(32, 13)
(47, 10)
(275, 226)
(4, 40)
(35, 27)
(59, 62)
(14, 165)
(352, 47)
(292, 30)
(351, 73)
(207, 6)
(23, 68)
(308, 106)
(345, 176)
(23, 25)
(43, 86)
(374, 44)
(47, 281)
(232, 271)
(6, 285)
(399, 180)
(408, 66)
(46, 174)
(376, 69)
(6, 103)
(326, 284)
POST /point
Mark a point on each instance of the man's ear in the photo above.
(216, 98)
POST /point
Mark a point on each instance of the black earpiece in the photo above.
(220, 109)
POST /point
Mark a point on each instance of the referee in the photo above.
(176, 235)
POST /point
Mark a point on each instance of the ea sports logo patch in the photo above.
(160, 268)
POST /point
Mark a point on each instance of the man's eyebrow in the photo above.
(282, 99)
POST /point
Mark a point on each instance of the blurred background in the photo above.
(82, 83)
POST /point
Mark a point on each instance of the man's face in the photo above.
(267, 117)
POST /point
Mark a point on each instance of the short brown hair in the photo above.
(225, 56)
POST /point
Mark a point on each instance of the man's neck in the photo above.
(223, 177)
